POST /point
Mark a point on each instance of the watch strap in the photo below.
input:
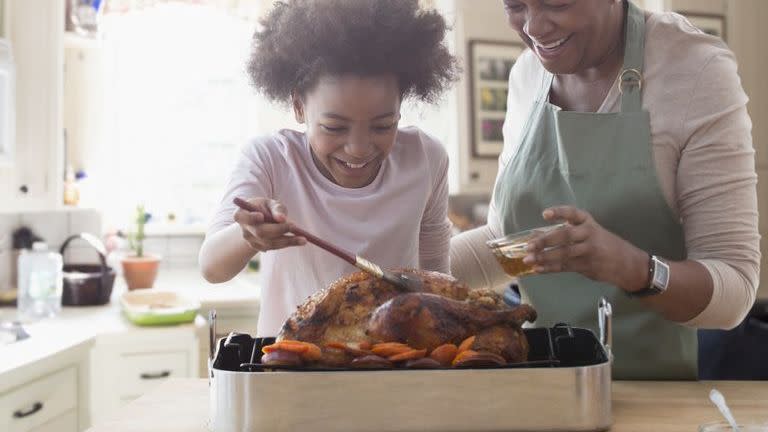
(651, 289)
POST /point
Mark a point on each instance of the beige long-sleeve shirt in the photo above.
(702, 146)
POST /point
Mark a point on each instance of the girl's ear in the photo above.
(298, 108)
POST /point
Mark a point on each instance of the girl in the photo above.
(352, 176)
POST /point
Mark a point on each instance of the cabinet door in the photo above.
(36, 31)
(141, 372)
(38, 402)
(125, 366)
(63, 423)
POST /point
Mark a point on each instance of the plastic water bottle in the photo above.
(40, 282)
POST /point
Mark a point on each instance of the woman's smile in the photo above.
(552, 48)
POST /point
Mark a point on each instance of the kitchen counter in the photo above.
(181, 405)
(77, 327)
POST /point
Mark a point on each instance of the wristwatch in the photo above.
(658, 272)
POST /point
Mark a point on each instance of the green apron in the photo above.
(602, 163)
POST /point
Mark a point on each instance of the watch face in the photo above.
(660, 274)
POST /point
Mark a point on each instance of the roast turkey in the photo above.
(359, 310)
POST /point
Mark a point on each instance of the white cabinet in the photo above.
(142, 371)
(49, 393)
(35, 29)
(63, 423)
(127, 365)
(40, 401)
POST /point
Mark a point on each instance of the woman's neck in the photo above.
(607, 65)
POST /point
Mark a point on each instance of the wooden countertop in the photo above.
(181, 405)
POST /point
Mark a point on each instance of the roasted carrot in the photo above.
(462, 355)
(286, 345)
(466, 344)
(444, 354)
(389, 349)
(408, 355)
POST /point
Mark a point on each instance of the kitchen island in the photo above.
(181, 405)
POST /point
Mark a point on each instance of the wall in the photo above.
(745, 32)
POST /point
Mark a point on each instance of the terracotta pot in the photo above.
(140, 272)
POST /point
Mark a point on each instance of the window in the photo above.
(179, 106)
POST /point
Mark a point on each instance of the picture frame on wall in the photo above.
(712, 24)
(488, 68)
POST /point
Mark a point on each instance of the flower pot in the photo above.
(140, 272)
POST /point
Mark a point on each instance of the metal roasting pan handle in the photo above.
(212, 334)
(605, 317)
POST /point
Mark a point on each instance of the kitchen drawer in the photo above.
(37, 402)
(140, 372)
(63, 423)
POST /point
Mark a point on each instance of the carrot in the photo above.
(444, 354)
(307, 351)
(389, 349)
(351, 348)
(286, 345)
(313, 352)
(466, 344)
(462, 355)
(408, 355)
(336, 345)
(365, 346)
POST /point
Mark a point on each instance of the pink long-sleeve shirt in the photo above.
(399, 220)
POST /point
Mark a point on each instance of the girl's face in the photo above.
(567, 36)
(351, 125)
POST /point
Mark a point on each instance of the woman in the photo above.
(631, 127)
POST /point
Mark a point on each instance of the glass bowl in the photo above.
(510, 249)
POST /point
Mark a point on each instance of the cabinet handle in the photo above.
(37, 406)
(158, 375)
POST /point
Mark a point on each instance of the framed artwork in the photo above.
(712, 24)
(488, 67)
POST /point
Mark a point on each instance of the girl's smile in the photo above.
(351, 125)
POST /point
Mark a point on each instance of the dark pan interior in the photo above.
(555, 347)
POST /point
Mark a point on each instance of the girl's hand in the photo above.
(268, 227)
(585, 247)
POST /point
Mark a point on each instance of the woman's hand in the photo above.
(585, 247)
(266, 228)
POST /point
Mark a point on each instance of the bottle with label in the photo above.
(40, 282)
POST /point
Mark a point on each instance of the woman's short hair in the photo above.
(301, 40)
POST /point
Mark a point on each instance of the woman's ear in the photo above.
(298, 107)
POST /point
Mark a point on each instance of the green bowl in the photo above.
(149, 307)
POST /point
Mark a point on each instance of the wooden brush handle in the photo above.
(339, 252)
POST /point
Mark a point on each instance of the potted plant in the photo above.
(139, 268)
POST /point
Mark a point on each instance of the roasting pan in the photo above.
(565, 386)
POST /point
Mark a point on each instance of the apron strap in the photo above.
(631, 78)
(546, 84)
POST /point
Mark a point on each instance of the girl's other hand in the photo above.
(266, 227)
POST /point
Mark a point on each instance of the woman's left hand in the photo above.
(585, 247)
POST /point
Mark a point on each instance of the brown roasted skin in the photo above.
(423, 320)
(341, 312)
(358, 308)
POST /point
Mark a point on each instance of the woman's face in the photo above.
(568, 36)
(351, 125)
